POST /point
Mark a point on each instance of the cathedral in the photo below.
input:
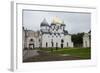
(49, 36)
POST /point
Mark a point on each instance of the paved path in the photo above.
(29, 53)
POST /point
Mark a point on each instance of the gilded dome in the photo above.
(57, 20)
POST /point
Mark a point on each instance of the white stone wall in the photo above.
(48, 39)
(67, 39)
(35, 42)
(86, 40)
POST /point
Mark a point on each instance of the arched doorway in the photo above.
(46, 44)
(52, 44)
(31, 44)
(62, 41)
(56, 46)
(86, 43)
(61, 45)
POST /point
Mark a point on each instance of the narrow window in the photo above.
(46, 44)
(67, 44)
(62, 41)
(56, 44)
(86, 43)
(52, 44)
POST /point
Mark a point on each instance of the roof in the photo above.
(44, 23)
(65, 32)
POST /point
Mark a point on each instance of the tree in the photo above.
(77, 39)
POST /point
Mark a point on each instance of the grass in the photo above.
(83, 53)
(45, 54)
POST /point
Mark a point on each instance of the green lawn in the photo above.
(46, 54)
(83, 53)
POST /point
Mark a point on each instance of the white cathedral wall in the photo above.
(58, 40)
(67, 39)
(60, 31)
(47, 38)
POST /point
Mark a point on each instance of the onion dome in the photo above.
(44, 23)
(57, 20)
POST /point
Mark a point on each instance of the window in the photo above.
(31, 46)
(62, 41)
(31, 40)
(59, 34)
(61, 45)
(46, 44)
(86, 43)
(54, 33)
(67, 44)
(56, 44)
(52, 44)
(39, 40)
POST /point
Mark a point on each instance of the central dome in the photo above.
(57, 20)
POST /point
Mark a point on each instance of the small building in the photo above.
(87, 40)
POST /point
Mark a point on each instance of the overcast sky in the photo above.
(75, 22)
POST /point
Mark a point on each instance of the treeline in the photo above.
(77, 39)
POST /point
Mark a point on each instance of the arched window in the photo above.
(52, 44)
(39, 40)
(59, 34)
(86, 43)
(61, 45)
(46, 44)
(67, 44)
(62, 41)
(56, 44)
(31, 40)
(31, 44)
(54, 33)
